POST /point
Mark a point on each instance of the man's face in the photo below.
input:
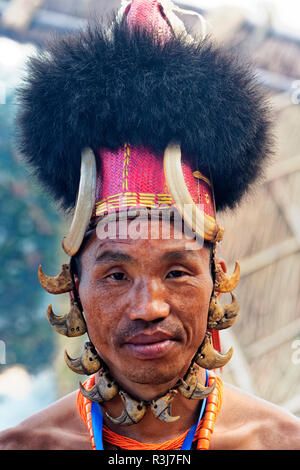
(145, 302)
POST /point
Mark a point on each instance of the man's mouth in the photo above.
(150, 345)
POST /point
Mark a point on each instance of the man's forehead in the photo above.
(165, 246)
(141, 236)
(130, 250)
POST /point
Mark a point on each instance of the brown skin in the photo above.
(150, 291)
(153, 295)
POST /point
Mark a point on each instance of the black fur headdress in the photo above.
(101, 90)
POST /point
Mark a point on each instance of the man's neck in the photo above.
(150, 429)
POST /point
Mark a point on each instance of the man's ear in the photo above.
(76, 282)
(223, 264)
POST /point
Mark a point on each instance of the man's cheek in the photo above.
(100, 323)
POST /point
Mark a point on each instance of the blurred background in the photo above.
(263, 234)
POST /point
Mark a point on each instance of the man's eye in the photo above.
(176, 273)
(117, 276)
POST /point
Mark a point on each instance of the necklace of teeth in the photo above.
(106, 388)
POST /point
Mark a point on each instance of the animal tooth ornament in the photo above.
(195, 218)
(59, 284)
(143, 117)
(192, 388)
(161, 408)
(209, 358)
(84, 203)
(220, 317)
(226, 283)
(88, 363)
(105, 389)
(133, 411)
(71, 324)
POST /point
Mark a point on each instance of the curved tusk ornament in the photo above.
(161, 408)
(59, 284)
(226, 283)
(221, 317)
(133, 411)
(197, 220)
(215, 313)
(71, 325)
(209, 358)
(104, 389)
(191, 388)
(88, 363)
(84, 204)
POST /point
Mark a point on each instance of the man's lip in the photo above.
(151, 344)
(154, 345)
(149, 338)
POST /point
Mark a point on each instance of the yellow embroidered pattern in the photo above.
(125, 167)
(131, 199)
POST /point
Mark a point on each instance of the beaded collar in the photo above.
(201, 432)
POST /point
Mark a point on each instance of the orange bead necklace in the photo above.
(203, 433)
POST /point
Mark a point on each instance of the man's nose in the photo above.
(150, 303)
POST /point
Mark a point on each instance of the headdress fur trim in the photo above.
(97, 89)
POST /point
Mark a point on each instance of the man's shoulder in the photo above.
(249, 422)
(56, 427)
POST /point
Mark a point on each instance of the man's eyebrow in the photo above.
(179, 255)
(113, 257)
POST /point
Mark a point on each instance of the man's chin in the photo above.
(166, 369)
(152, 375)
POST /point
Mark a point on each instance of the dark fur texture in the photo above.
(88, 90)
